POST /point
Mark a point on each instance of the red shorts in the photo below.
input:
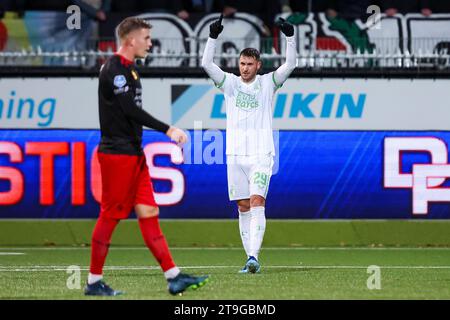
(125, 183)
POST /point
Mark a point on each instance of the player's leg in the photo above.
(257, 223)
(238, 190)
(148, 215)
(244, 227)
(244, 223)
(257, 229)
(101, 238)
(260, 174)
(156, 242)
(154, 238)
(116, 204)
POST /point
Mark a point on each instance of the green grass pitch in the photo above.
(287, 273)
(300, 259)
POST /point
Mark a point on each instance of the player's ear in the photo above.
(259, 65)
(132, 40)
(125, 41)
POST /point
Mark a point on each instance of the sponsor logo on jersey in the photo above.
(246, 101)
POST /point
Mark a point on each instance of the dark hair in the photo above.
(130, 24)
(251, 52)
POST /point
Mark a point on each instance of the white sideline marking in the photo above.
(11, 253)
(232, 248)
(126, 268)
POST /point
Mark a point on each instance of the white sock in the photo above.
(171, 273)
(244, 229)
(93, 278)
(257, 229)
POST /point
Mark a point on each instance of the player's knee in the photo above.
(144, 211)
(244, 209)
(244, 205)
(257, 201)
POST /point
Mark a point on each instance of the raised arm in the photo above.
(283, 72)
(213, 71)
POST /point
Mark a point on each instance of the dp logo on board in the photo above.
(425, 180)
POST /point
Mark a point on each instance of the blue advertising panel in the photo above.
(317, 175)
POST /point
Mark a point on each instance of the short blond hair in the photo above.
(131, 24)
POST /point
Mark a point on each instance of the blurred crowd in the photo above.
(265, 9)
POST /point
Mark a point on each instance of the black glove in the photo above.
(216, 28)
(286, 27)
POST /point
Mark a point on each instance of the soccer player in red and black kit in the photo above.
(126, 181)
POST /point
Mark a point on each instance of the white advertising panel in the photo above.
(301, 104)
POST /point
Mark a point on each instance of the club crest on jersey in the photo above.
(120, 81)
(135, 75)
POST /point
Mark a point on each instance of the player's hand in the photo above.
(216, 28)
(286, 27)
(177, 135)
